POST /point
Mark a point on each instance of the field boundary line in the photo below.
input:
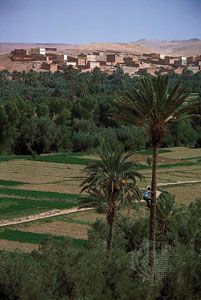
(178, 183)
(45, 215)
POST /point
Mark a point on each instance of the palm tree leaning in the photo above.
(153, 105)
(111, 178)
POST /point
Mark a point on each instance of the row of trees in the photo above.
(75, 107)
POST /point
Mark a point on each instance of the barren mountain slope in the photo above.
(114, 47)
(118, 47)
(7, 47)
(176, 47)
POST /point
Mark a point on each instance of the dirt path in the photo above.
(178, 183)
(48, 214)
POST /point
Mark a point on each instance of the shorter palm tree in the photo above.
(111, 180)
(165, 208)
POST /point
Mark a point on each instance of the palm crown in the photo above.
(112, 174)
(153, 105)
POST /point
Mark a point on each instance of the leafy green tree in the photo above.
(45, 134)
(3, 129)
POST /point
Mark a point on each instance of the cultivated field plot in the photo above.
(51, 182)
(19, 207)
(68, 229)
(27, 236)
(35, 238)
(7, 245)
(15, 203)
(183, 153)
(185, 194)
(176, 174)
(36, 172)
(43, 176)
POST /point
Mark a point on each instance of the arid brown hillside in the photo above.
(7, 47)
(118, 47)
(184, 47)
(114, 47)
(6, 63)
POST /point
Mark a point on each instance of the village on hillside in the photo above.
(52, 59)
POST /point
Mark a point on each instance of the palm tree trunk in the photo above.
(110, 220)
(129, 209)
(152, 230)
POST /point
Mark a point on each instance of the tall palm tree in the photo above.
(153, 105)
(110, 179)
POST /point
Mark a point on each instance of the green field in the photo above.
(10, 183)
(24, 202)
(38, 194)
(18, 207)
(37, 238)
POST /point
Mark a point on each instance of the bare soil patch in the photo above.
(90, 216)
(58, 228)
(142, 158)
(37, 172)
(69, 188)
(182, 152)
(185, 194)
(17, 246)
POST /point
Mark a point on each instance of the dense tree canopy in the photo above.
(75, 107)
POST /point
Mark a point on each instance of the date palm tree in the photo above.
(109, 179)
(154, 104)
(165, 208)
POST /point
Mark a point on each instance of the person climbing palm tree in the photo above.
(147, 196)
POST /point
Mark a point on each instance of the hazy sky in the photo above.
(85, 21)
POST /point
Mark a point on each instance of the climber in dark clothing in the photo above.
(147, 196)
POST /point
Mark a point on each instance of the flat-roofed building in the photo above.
(37, 51)
(91, 57)
(71, 63)
(93, 64)
(50, 50)
(81, 61)
(115, 58)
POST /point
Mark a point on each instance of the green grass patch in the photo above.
(64, 218)
(17, 207)
(150, 151)
(38, 194)
(64, 159)
(12, 157)
(37, 238)
(182, 164)
(169, 166)
(192, 158)
(10, 183)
